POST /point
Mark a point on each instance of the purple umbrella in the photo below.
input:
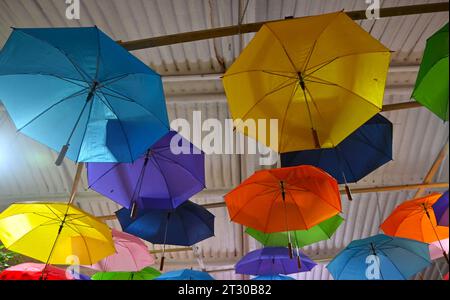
(169, 173)
(273, 260)
(441, 210)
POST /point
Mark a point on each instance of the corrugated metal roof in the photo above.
(27, 171)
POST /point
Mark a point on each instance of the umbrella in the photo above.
(271, 261)
(362, 152)
(431, 89)
(52, 232)
(300, 238)
(445, 277)
(33, 271)
(132, 255)
(321, 77)
(415, 219)
(436, 250)
(144, 274)
(273, 277)
(440, 209)
(153, 181)
(188, 224)
(99, 102)
(185, 274)
(380, 257)
(284, 199)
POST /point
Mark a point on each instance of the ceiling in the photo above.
(27, 171)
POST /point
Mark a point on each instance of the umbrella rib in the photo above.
(277, 89)
(109, 106)
(84, 241)
(114, 79)
(345, 161)
(49, 208)
(104, 174)
(273, 72)
(76, 94)
(86, 127)
(349, 259)
(164, 177)
(324, 82)
(324, 64)
(317, 38)
(77, 68)
(246, 203)
(98, 54)
(183, 167)
(284, 49)
(298, 209)
(285, 114)
(270, 211)
(122, 97)
(392, 262)
(33, 229)
(63, 78)
(367, 142)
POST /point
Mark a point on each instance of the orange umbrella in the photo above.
(285, 199)
(415, 219)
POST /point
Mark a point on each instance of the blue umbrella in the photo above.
(380, 257)
(273, 277)
(185, 274)
(366, 149)
(79, 92)
(186, 225)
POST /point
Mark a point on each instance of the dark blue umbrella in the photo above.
(272, 261)
(441, 210)
(79, 92)
(380, 257)
(187, 225)
(368, 148)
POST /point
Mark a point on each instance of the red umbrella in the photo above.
(32, 271)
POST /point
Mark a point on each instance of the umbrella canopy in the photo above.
(362, 152)
(185, 274)
(284, 199)
(271, 261)
(445, 277)
(186, 225)
(300, 238)
(132, 255)
(152, 181)
(380, 257)
(144, 274)
(100, 103)
(52, 232)
(415, 219)
(431, 89)
(273, 277)
(436, 250)
(440, 208)
(33, 271)
(321, 77)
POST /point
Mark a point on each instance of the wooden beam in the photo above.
(254, 27)
(389, 188)
(434, 169)
(76, 181)
(401, 106)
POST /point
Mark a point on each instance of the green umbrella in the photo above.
(144, 274)
(431, 88)
(300, 238)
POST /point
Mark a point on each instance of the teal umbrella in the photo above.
(431, 88)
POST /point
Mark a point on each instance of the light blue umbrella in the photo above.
(81, 94)
(273, 277)
(185, 274)
(380, 257)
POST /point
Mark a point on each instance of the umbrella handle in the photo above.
(61, 155)
(161, 266)
(299, 263)
(133, 210)
(348, 192)
(290, 250)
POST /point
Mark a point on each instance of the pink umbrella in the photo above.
(436, 250)
(132, 255)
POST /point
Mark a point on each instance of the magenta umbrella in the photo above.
(132, 255)
(437, 247)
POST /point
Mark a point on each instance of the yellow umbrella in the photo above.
(53, 232)
(321, 77)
